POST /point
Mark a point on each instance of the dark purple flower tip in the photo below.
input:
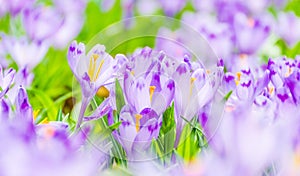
(247, 72)
(125, 123)
(153, 127)
(22, 103)
(228, 77)
(203, 119)
(4, 107)
(270, 62)
(171, 85)
(182, 69)
(161, 55)
(156, 81)
(148, 113)
(283, 97)
(146, 52)
(244, 84)
(220, 63)
(72, 48)
(272, 73)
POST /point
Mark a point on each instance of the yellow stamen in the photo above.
(151, 90)
(271, 90)
(137, 122)
(132, 73)
(237, 82)
(90, 70)
(289, 72)
(92, 67)
(238, 75)
(208, 71)
(193, 80)
(99, 69)
(103, 92)
(95, 57)
(192, 85)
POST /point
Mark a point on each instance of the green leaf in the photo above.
(120, 101)
(188, 146)
(45, 101)
(164, 145)
(115, 126)
(59, 116)
(168, 120)
(226, 97)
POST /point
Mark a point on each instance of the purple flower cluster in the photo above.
(260, 106)
(31, 148)
(151, 82)
(42, 26)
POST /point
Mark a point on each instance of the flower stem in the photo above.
(84, 104)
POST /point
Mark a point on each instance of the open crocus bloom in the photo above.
(92, 71)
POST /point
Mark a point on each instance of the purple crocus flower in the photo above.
(234, 148)
(56, 25)
(41, 22)
(6, 79)
(25, 54)
(145, 83)
(289, 28)
(249, 33)
(155, 92)
(92, 71)
(193, 90)
(44, 149)
(137, 130)
(171, 7)
(14, 7)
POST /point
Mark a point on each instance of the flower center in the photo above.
(238, 75)
(137, 122)
(94, 72)
(192, 85)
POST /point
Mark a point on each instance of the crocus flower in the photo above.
(154, 92)
(92, 71)
(56, 25)
(137, 130)
(172, 7)
(288, 28)
(25, 54)
(193, 90)
(234, 148)
(44, 149)
(154, 88)
(249, 33)
(14, 7)
(6, 79)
